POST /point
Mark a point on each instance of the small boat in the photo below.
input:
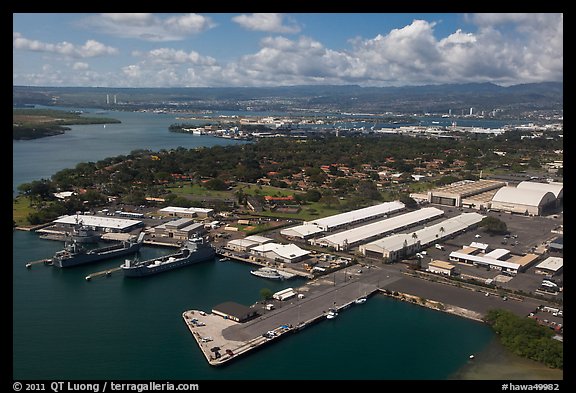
(272, 274)
(471, 356)
(360, 300)
(331, 314)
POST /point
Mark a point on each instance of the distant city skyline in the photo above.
(228, 50)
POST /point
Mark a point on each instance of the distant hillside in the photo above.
(418, 99)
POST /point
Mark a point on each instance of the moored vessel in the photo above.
(75, 254)
(193, 251)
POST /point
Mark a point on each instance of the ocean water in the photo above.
(66, 328)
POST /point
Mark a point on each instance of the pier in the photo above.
(222, 340)
(46, 261)
(106, 273)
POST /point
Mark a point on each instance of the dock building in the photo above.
(234, 311)
(283, 253)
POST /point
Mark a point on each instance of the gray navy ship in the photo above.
(75, 254)
(193, 251)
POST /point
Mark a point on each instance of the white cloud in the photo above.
(80, 66)
(175, 56)
(503, 49)
(90, 49)
(272, 23)
(149, 27)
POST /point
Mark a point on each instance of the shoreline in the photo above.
(495, 362)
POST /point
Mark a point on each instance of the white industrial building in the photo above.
(343, 220)
(276, 252)
(555, 188)
(105, 224)
(441, 267)
(187, 211)
(245, 244)
(304, 231)
(550, 266)
(346, 239)
(182, 228)
(398, 246)
(526, 201)
(499, 259)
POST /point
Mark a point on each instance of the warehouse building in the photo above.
(465, 193)
(283, 253)
(304, 231)
(245, 244)
(551, 266)
(187, 212)
(441, 267)
(343, 220)
(344, 240)
(234, 311)
(498, 259)
(182, 229)
(98, 223)
(402, 245)
(523, 201)
(554, 187)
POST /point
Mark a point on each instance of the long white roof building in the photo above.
(344, 240)
(336, 221)
(113, 224)
(422, 238)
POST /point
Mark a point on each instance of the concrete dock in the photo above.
(222, 340)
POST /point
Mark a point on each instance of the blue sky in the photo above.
(214, 50)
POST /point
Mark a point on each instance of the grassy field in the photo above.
(20, 210)
(310, 211)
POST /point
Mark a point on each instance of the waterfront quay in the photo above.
(222, 340)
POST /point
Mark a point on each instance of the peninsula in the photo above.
(39, 123)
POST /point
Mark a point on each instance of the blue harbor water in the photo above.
(65, 327)
(118, 328)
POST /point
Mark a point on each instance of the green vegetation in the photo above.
(324, 174)
(524, 337)
(266, 293)
(38, 123)
(494, 225)
(21, 209)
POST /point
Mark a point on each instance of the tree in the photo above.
(494, 225)
(266, 293)
(408, 201)
(215, 184)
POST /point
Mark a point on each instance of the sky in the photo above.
(273, 49)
